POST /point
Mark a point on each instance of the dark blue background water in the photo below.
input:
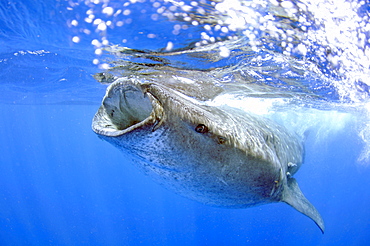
(61, 185)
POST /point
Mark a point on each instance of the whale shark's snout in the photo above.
(215, 155)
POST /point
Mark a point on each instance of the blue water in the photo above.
(61, 185)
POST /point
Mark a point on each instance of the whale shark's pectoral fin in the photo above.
(293, 196)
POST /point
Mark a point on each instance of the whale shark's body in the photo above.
(215, 155)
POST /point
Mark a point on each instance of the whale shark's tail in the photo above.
(293, 196)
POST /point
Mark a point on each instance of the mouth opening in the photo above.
(124, 108)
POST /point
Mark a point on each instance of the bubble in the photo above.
(102, 26)
(173, 8)
(105, 42)
(117, 13)
(98, 52)
(126, 12)
(96, 43)
(287, 4)
(104, 66)
(224, 29)
(97, 21)
(224, 51)
(75, 39)
(108, 11)
(186, 8)
(74, 22)
(169, 46)
(88, 20)
(156, 4)
(154, 17)
(302, 49)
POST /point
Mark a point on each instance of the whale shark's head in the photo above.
(129, 105)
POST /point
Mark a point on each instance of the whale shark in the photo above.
(216, 155)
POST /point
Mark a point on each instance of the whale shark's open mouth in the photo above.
(125, 107)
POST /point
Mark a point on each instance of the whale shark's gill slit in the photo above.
(201, 128)
(157, 124)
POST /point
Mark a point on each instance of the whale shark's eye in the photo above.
(201, 128)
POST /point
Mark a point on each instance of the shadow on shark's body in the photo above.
(215, 155)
